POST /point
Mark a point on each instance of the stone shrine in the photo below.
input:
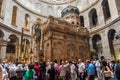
(64, 38)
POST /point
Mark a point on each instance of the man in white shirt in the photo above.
(97, 64)
(12, 71)
(81, 69)
(73, 71)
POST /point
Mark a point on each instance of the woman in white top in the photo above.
(73, 71)
(62, 71)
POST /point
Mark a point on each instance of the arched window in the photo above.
(11, 44)
(118, 5)
(26, 24)
(106, 10)
(82, 21)
(1, 1)
(14, 15)
(93, 17)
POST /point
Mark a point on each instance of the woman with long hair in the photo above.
(105, 71)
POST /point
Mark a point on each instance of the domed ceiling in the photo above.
(54, 7)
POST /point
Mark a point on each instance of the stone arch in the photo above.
(11, 45)
(106, 9)
(93, 18)
(111, 36)
(97, 44)
(1, 34)
(27, 20)
(14, 15)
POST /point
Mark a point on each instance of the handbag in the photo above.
(108, 74)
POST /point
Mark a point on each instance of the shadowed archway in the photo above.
(111, 35)
(97, 44)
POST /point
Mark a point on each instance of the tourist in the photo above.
(47, 68)
(97, 64)
(73, 71)
(62, 71)
(37, 70)
(19, 71)
(67, 66)
(90, 70)
(81, 69)
(117, 71)
(51, 72)
(55, 66)
(42, 70)
(29, 73)
(12, 71)
(105, 71)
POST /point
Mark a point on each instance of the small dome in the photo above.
(69, 10)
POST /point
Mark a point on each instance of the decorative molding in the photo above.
(55, 3)
(106, 26)
(3, 26)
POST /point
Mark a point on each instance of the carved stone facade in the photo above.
(64, 41)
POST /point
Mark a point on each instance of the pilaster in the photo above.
(105, 44)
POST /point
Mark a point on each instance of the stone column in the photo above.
(113, 9)
(90, 42)
(3, 51)
(105, 44)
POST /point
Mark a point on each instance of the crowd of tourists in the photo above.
(63, 70)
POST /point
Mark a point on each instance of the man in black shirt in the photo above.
(51, 72)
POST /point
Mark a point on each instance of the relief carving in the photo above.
(57, 51)
(71, 52)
